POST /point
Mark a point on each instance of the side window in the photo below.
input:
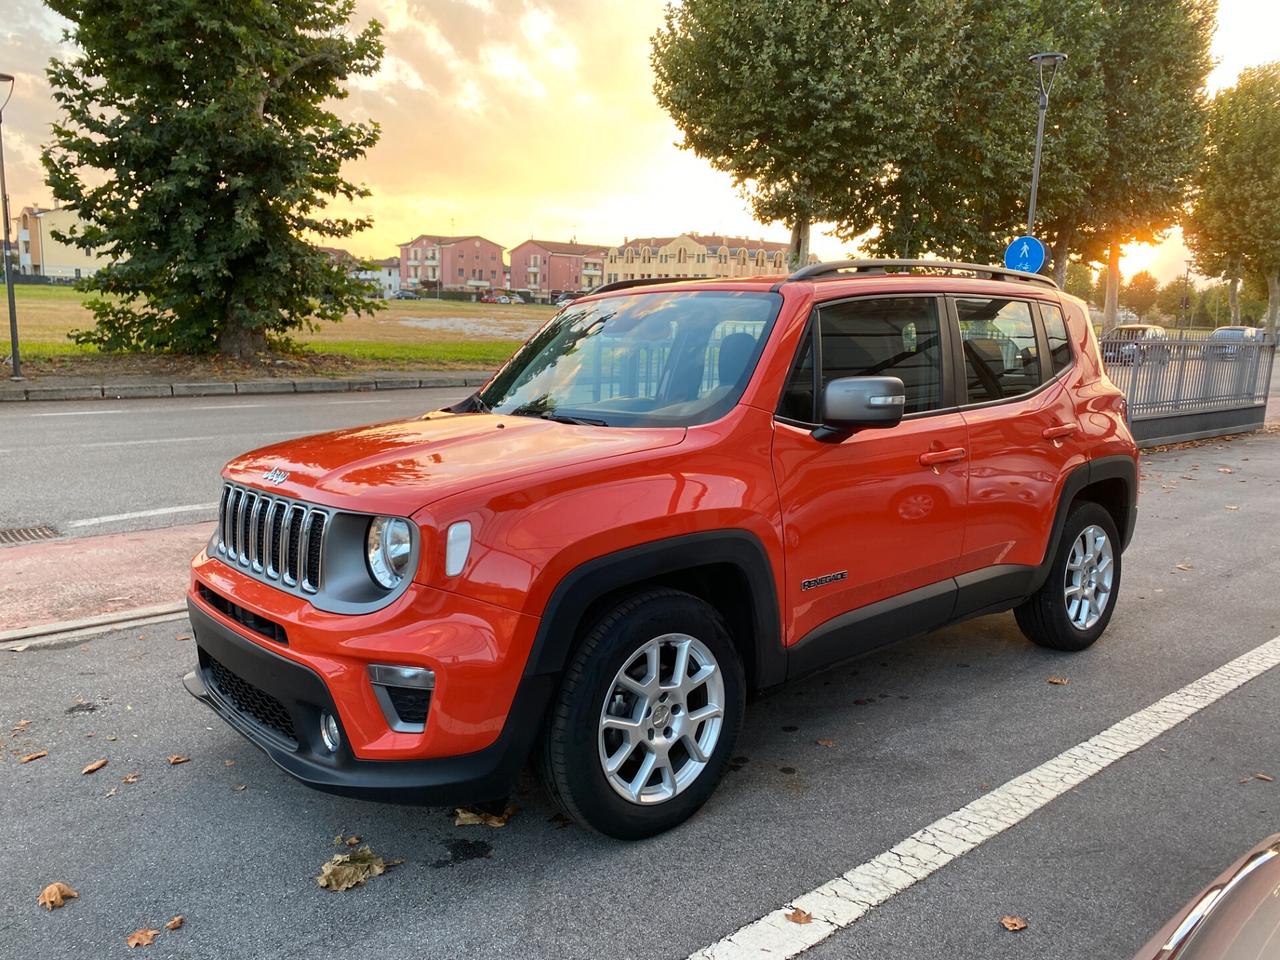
(894, 337)
(1055, 326)
(798, 401)
(1001, 358)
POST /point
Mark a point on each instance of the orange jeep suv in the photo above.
(673, 495)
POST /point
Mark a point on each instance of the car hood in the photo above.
(401, 466)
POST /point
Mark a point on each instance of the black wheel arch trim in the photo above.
(1118, 467)
(577, 591)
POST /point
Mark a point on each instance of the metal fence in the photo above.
(1190, 386)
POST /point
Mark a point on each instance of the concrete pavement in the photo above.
(916, 731)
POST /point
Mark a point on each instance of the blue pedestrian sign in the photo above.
(1025, 253)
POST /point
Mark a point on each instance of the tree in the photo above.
(805, 104)
(1155, 66)
(1233, 227)
(1079, 280)
(1140, 293)
(196, 146)
(1177, 298)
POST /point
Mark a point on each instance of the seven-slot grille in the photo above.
(272, 538)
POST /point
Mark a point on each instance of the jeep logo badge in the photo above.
(276, 475)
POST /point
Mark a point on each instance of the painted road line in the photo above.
(338, 403)
(77, 413)
(157, 440)
(851, 896)
(157, 512)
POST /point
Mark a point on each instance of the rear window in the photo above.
(1055, 328)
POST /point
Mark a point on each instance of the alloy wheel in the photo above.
(1089, 577)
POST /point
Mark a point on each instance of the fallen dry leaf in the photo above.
(141, 938)
(55, 894)
(466, 817)
(228, 763)
(1264, 778)
(112, 737)
(21, 726)
(130, 777)
(1058, 681)
(346, 870)
(238, 787)
(800, 916)
(1183, 566)
(1232, 508)
(825, 742)
(1013, 923)
(33, 756)
(175, 923)
(352, 841)
(183, 636)
(178, 758)
(95, 766)
(1225, 470)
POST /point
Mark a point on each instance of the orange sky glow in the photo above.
(515, 118)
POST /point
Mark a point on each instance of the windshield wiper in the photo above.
(580, 421)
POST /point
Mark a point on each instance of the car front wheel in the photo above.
(646, 716)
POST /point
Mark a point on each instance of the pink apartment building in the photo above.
(544, 267)
(455, 263)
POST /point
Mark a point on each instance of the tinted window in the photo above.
(1055, 327)
(797, 399)
(1001, 358)
(897, 337)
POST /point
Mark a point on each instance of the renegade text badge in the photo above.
(824, 580)
(276, 475)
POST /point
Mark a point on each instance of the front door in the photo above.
(879, 516)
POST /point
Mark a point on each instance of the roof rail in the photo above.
(638, 282)
(832, 270)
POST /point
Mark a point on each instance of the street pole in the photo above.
(16, 371)
(1041, 60)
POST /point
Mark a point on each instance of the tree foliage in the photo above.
(1234, 225)
(806, 104)
(196, 146)
(1079, 281)
(1140, 293)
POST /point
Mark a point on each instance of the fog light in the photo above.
(329, 731)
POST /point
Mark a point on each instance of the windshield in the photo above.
(651, 359)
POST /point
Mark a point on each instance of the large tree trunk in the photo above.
(1233, 298)
(798, 255)
(1113, 287)
(238, 340)
(1062, 255)
(1273, 302)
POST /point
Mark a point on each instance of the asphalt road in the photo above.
(76, 465)
(916, 732)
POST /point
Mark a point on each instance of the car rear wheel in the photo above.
(646, 716)
(1073, 607)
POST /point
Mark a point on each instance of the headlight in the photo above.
(388, 548)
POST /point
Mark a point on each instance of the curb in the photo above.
(134, 391)
(11, 638)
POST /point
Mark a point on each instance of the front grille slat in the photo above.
(273, 539)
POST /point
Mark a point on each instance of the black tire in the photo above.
(569, 762)
(1043, 616)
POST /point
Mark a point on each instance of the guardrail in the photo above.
(1189, 387)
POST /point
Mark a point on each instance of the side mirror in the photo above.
(859, 403)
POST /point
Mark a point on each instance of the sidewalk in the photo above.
(128, 388)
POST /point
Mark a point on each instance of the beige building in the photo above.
(40, 254)
(695, 255)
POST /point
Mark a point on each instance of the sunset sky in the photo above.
(514, 118)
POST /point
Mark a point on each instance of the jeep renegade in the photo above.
(672, 495)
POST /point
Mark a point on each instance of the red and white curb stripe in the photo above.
(851, 896)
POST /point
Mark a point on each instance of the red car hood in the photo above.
(401, 466)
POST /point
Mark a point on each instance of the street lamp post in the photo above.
(16, 373)
(1052, 61)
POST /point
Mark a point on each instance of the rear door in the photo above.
(879, 514)
(1023, 438)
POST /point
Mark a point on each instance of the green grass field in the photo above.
(417, 334)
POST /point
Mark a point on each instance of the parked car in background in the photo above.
(515, 298)
(1237, 917)
(502, 298)
(1136, 343)
(1225, 342)
(565, 298)
(488, 298)
(404, 295)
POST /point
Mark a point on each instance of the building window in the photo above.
(462, 272)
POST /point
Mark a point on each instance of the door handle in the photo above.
(935, 457)
(1058, 432)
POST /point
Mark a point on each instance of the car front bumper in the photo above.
(472, 747)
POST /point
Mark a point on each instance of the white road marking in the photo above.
(839, 903)
(76, 413)
(338, 403)
(223, 406)
(224, 436)
(158, 512)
